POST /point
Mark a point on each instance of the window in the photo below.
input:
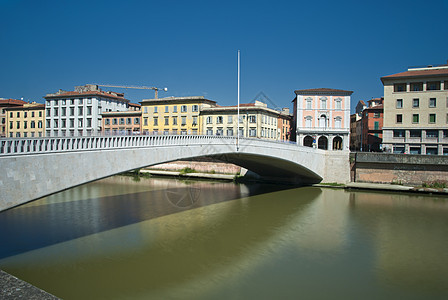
(18, 124)
(115, 121)
(155, 109)
(136, 121)
(72, 101)
(121, 121)
(145, 121)
(433, 85)
(432, 118)
(107, 121)
(25, 114)
(399, 118)
(128, 121)
(398, 133)
(167, 109)
(323, 103)
(80, 101)
(18, 114)
(219, 131)
(415, 102)
(39, 124)
(167, 121)
(229, 131)
(156, 121)
(33, 124)
(184, 121)
(195, 120)
(309, 103)
(432, 102)
(89, 122)
(195, 108)
(80, 111)
(431, 151)
(175, 108)
(241, 119)
(338, 103)
(145, 110)
(432, 133)
(183, 108)
(89, 110)
(252, 119)
(399, 87)
(63, 101)
(337, 122)
(79, 122)
(209, 120)
(308, 121)
(229, 119)
(209, 131)
(376, 115)
(89, 100)
(415, 118)
(416, 86)
(399, 103)
(25, 124)
(445, 133)
(219, 120)
(63, 111)
(252, 132)
(10, 114)
(40, 113)
(174, 120)
(376, 125)
(72, 111)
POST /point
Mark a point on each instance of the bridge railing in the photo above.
(62, 144)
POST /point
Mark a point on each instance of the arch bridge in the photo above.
(36, 167)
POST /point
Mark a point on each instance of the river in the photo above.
(159, 238)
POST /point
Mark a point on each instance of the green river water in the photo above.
(160, 238)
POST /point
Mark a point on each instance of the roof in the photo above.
(135, 105)
(424, 72)
(4, 102)
(74, 94)
(26, 107)
(322, 91)
(178, 99)
(243, 107)
(122, 113)
(375, 107)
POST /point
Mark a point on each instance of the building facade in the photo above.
(27, 120)
(6, 103)
(79, 112)
(173, 115)
(372, 126)
(322, 118)
(256, 120)
(416, 111)
(122, 122)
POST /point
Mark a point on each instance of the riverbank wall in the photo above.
(406, 169)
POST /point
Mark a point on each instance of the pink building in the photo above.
(322, 118)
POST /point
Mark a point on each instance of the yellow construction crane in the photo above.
(155, 89)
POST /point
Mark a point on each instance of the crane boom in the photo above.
(135, 87)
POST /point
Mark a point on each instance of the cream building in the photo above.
(25, 121)
(416, 111)
(173, 115)
(256, 120)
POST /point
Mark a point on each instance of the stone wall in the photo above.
(398, 168)
(199, 166)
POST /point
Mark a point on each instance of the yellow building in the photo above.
(173, 115)
(25, 121)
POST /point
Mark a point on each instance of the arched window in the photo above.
(337, 143)
(323, 121)
(322, 143)
(308, 141)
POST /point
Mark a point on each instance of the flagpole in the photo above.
(238, 110)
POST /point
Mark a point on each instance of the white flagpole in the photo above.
(238, 117)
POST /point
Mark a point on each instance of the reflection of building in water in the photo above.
(410, 237)
(326, 226)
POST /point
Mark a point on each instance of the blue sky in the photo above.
(191, 47)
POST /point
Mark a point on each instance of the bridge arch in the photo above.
(36, 167)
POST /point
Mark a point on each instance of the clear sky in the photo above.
(191, 46)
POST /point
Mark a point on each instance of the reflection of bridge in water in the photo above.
(36, 167)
